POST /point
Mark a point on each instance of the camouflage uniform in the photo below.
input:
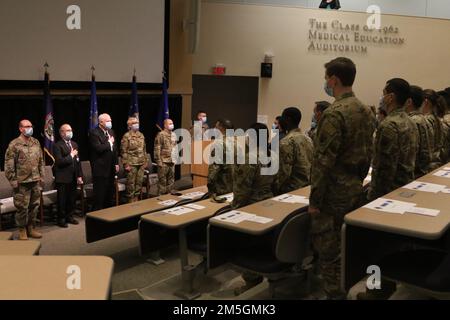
(134, 155)
(341, 161)
(423, 158)
(249, 186)
(165, 143)
(396, 146)
(220, 175)
(445, 155)
(436, 138)
(24, 164)
(296, 152)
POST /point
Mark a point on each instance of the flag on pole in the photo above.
(49, 124)
(93, 114)
(163, 113)
(134, 107)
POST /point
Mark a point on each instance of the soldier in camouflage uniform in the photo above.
(432, 108)
(319, 109)
(165, 142)
(341, 161)
(24, 169)
(250, 186)
(220, 175)
(396, 143)
(134, 158)
(296, 150)
(423, 157)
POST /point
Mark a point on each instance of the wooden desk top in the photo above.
(173, 221)
(409, 224)
(6, 235)
(269, 208)
(19, 248)
(139, 208)
(48, 281)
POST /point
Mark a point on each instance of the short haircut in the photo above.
(343, 68)
(416, 95)
(321, 106)
(278, 118)
(200, 111)
(437, 102)
(400, 88)
(225, 124)
(446, 98)
(292, 116)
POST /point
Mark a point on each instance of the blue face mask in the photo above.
(69, 135)
(313, 122)
(28, 132)
(328, 90)
(274, 126)
(108, 125)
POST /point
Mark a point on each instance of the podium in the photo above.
(199, 170)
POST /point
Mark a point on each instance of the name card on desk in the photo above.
(228, 197)
(291, 198)
(168, 202)
(425, 187)
(239, 216)
(395, 206)
(192, 195)
(178, 211)
(194, 206)
(442, 173)
(424, 211)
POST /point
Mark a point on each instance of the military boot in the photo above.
(32, 233)
(23, 234)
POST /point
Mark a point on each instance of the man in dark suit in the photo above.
(104, 162)
(68, 174)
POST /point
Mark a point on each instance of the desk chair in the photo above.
(48, 193)
(289, 250)
(86, 190)
(424, 270)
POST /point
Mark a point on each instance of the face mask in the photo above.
(274, 126)
(28, 132)
(69, 136)
(171, 127)
(204, 119)
(108, 125)
(135, 127)
(328, 90)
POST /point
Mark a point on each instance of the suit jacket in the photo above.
(66, 168)
(333, 4)
(103, 159)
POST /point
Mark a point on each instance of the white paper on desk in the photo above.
(192, 195)
(291, 198)
(425, 187)
(7, 200)
(178, 211)
(260, 219)
(424, 211)
(234, 216)
(446, 169)
(194, 206)
(442, 173)
(446, 190)
(391, 206)
(228, 197)
(168, 202)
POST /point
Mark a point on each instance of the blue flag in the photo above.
(134, 107)
(93, 114)
(163, 113)
(49, 124)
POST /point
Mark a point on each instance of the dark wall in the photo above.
(232, 97)
(75, 111)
